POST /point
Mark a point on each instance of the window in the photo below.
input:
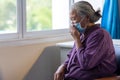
(46, 18)
(23, 19)
(8, 16)
(47, 15)
(39, 15)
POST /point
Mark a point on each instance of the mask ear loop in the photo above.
(82, 20)
(73, 22)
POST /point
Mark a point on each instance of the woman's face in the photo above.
(77, 18)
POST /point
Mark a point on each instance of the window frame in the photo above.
(24, 37)
(40, 34)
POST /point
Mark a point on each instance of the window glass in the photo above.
(47, 15)
(8, 16)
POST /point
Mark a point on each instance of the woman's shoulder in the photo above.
(99, 29)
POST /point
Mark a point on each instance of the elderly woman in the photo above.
(92, 55)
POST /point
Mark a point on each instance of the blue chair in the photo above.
(117, 52)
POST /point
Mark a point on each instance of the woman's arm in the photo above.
(92, 54)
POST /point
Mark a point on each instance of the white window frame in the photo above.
(31, 37)
(40, 34)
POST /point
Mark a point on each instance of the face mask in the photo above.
(79, 28)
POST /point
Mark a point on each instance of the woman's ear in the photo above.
(88, 18)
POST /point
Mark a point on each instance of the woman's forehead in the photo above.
(73, 13)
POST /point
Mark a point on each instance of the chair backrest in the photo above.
(117, 53)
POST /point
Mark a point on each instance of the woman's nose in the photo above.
(73, 22)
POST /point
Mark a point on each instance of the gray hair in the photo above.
(84, 8)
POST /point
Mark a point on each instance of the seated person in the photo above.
(93, 54)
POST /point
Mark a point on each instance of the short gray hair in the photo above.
(85, 8)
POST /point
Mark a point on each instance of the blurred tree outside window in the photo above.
(45, 15)
(39, 15)
(8, 16)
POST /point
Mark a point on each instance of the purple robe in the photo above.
(96, 57)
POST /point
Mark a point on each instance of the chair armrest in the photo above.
(110, 78)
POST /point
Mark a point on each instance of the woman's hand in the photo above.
(76, 36)
(59, 74)
(75, 33)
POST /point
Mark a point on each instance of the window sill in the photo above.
(30, 41)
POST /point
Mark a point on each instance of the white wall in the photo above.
(16, 61)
